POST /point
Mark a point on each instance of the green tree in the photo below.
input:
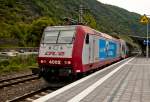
(37, 28)
(21, 31)
(89, 20)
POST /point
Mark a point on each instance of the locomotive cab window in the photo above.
(87, 39)
(66, 36)
(50, 36)
(58, 36)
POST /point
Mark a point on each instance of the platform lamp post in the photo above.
(147, 46)
(145, 20)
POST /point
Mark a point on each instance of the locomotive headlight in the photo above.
(42, 61)
(67, 62)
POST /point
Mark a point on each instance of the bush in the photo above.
(18, 63)
(4, 63)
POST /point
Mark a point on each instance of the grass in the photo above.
(18, 63)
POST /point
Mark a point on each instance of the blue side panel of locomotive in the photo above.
(107, 49)
(102, 49)
(112, 50)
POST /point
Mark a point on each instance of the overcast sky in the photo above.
(138, 6)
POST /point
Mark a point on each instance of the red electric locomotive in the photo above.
(76, 49)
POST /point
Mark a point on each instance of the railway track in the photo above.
(29, 97)
(17, 80)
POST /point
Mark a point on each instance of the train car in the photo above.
(76, 49)
(124, 50)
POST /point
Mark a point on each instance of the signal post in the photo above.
(145, 20)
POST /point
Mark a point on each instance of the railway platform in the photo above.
(124, 81)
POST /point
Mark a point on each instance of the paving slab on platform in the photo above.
(126, 81)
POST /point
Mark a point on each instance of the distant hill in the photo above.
(25, 19)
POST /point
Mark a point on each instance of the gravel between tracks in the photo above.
(8, 93)
(14, 74)
(20, 89)
(11, 92)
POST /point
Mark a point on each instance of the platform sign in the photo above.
(145, 42)
(144, 19)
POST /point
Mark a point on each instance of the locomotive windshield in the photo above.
(50, 36)
(63, 36)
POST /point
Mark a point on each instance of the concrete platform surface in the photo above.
(124, 81)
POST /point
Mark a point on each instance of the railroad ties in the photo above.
(29, 97)
(17, 80)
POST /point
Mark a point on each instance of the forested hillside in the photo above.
(24, 20)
